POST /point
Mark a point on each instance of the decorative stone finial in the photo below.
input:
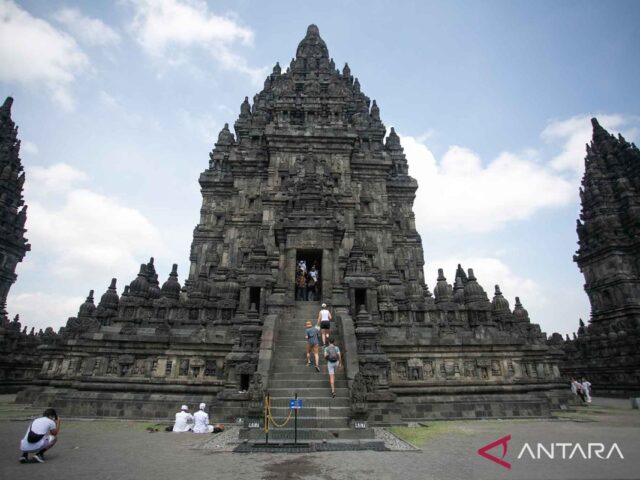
(225, 137)
(6, 106)
(393, 141)
(171, 288)
(375, 112)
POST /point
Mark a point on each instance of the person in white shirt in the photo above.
(324, 322)
(586, 389)
(40, 436)
(201, 421)
(302, 265)
(184, 420)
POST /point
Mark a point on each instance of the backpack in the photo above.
(33, 437)
(332, 353)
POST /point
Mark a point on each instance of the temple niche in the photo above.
(307, 171)
(605, 350)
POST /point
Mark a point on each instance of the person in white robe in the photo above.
(201, 421)
(184, 420)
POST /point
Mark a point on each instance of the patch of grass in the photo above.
(113, 424)
(420, 436)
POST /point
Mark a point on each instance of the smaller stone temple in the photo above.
(606, 349)
(20, 359)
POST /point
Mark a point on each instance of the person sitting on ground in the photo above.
(201, 421)
(41, 436)
(324, 322)
(184, 420)
(313, 343)
(334, 360)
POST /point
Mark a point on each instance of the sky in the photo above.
(119, 103)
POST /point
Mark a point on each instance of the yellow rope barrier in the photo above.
(268, 416)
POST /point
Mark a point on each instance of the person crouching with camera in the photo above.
(41, 436)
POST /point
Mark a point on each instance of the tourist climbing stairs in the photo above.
(321, 417)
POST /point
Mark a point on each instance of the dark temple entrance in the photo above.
(312, 259)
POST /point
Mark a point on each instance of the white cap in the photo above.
(202, 405)
(324, 305)
(184, 407)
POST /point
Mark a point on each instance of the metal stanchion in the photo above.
(295, 422)
(267, 401)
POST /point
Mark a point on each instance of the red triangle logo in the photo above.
(484, 451)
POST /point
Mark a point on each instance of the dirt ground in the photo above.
(111, 449)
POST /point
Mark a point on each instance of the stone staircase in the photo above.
(321, 417)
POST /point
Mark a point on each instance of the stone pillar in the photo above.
(290, 273)
(327, 275)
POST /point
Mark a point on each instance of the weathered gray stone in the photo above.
(306, 175)
(606, 350)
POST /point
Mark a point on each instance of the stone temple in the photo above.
(19, 358)
(305, 174)
(606, 350)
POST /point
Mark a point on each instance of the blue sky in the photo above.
(119, 104)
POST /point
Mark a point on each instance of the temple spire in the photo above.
(13, 212)
(312, 45)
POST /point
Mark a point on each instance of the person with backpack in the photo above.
(334, 360)
(41, 436)
(313, 343)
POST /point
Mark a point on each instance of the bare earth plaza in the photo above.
(305, 337)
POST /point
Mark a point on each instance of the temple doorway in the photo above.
(308, 275)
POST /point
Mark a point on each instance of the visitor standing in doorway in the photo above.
(324, 322)
(302, 265)
(311, 286)
(313, 343)
(334, 360)
(301, 286)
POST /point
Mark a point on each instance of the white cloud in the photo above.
(42, 310)
(576, 132)
(56, 179)
(32, 52)
(489, 271)
(167, 29)
(460, 193)
(92, 31)
(28, 148)
(88, 232)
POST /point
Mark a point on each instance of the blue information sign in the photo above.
(295, 404)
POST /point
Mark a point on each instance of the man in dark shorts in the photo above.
(324, 322)
(313, 343)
